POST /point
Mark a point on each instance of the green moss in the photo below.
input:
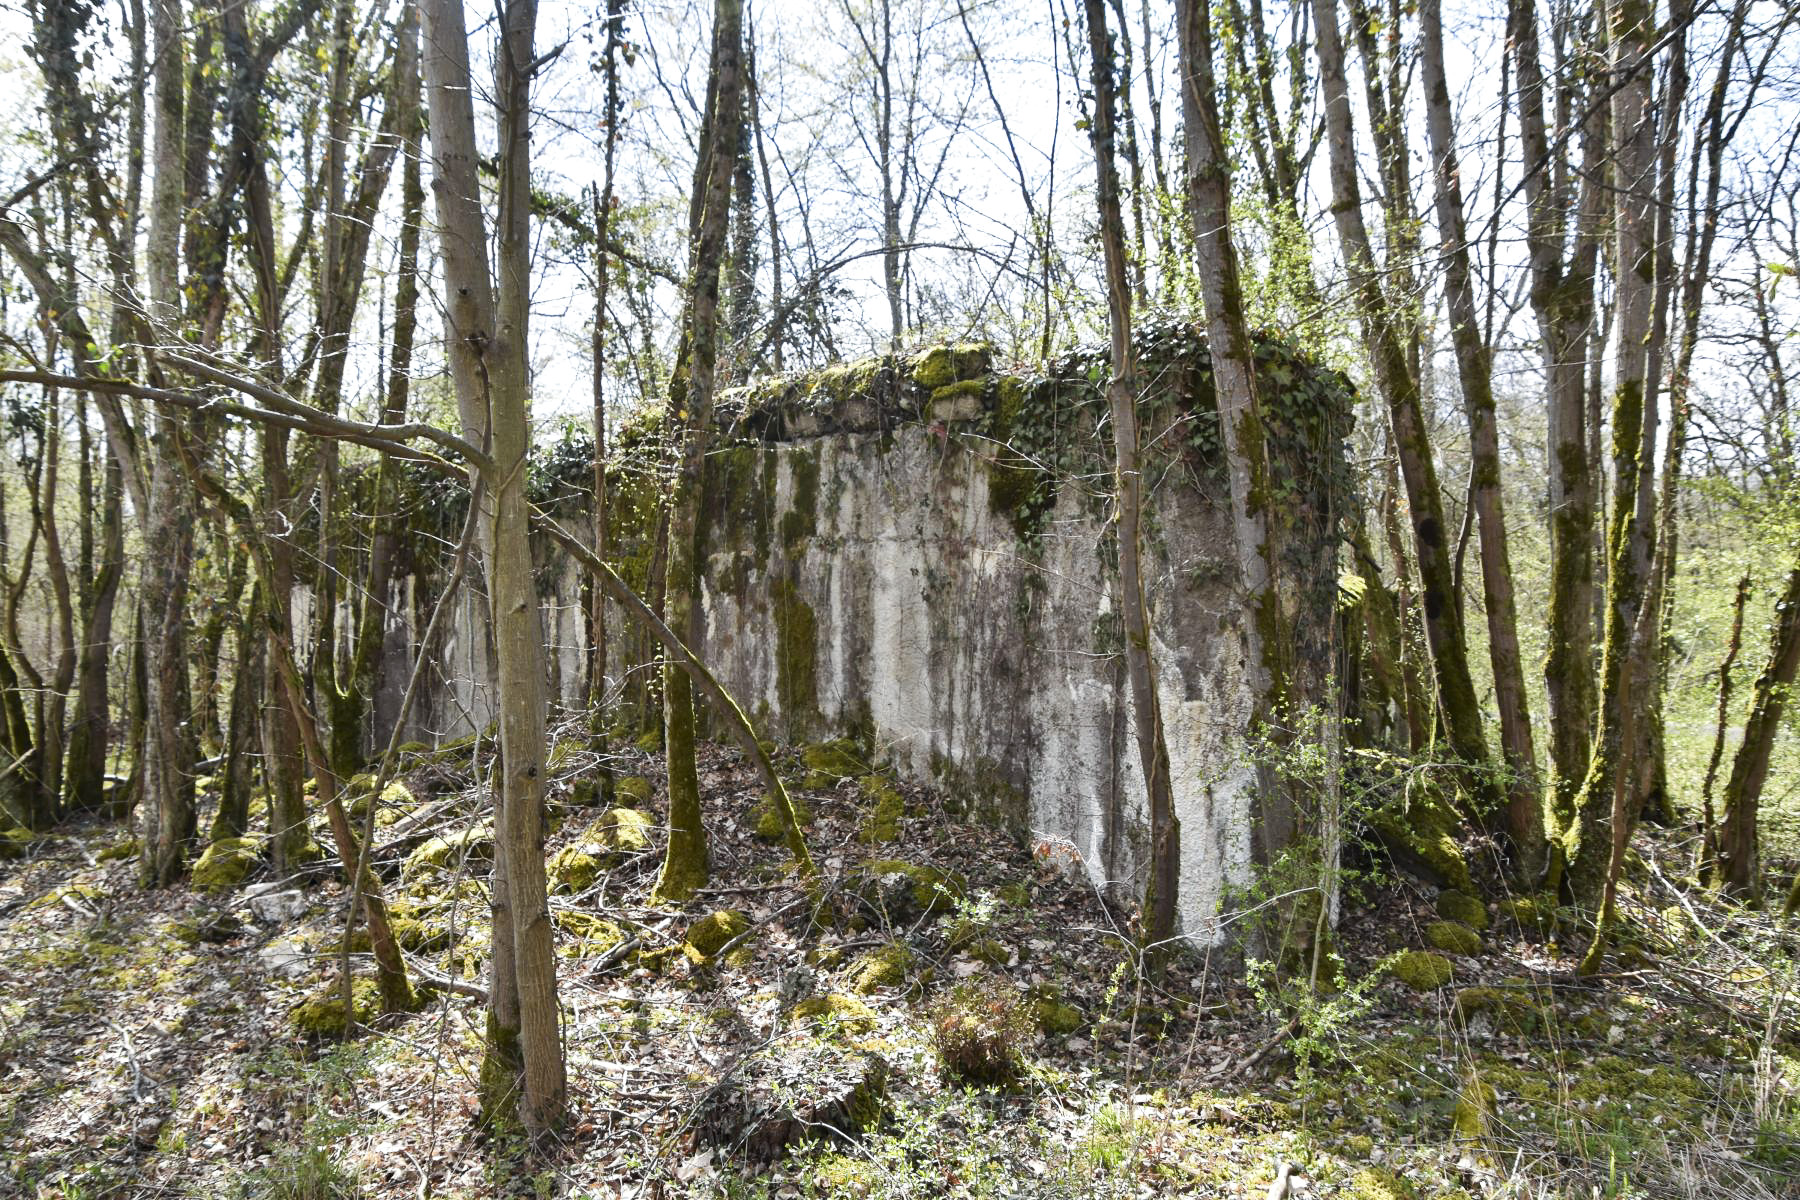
(15, 843)
(419, 935)
(941, 366)
(1452, 938)
(829, 763)
(576, 868)
(836, 1010)
(927, 891)
(712, 933)
(1509, 1011)
(1018, 895)
(1463, 908)
(633, 789)
(768, 827)
(883, 967)
(592, 934)
(118, 850)
(321, 1014)
(650, 741)
(625, 831)
(226, 863)
(1421, 970)
(1474, 1109)
(800, 521)
(451, 851)
(1379, 1183)
(1531, 914)
(796, 656)
(1420, 836)
(1057, 1017)
(991, 951)
(881, 823)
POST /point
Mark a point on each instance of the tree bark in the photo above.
(1268, 640)
(1632, 36)
(166, 780)
(1164, 875)
(1740, 866)
(1525, 817)
(1399, 384)
(685, 866)
(487, 336)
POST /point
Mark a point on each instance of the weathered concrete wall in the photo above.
(920, 553)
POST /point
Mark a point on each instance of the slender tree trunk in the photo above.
(1562, 297)
(168, 525)
(1267, 636)
(1709, 830)
(1525, 817)
(1632, 35)
(1128, 478)
(89, 731)
(1399, 383)
(233, 816)
(1740, 866)
(685, 863)
(487, 335)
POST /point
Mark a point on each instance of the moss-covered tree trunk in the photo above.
(1255, 521)
(1740, 867)
(233, 816)
(1525, 814)
(90, 727)
(1562, 297)
(684, 867)
(1399, 384)
(1631, 539)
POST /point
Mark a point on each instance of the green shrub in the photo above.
(981, 1030)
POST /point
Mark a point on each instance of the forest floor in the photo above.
(159, 1043)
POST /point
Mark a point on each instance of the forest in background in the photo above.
(283, 285)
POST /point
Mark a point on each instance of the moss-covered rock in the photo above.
(226, 863)
(625, 831)
(633, 789)
(1421, 970)
(1509, 1010)
(321, 1014)
(15, 843)
(1532, 914)
(903, 891)
(837, 1010)
(418, 934)
(591, 934)
(125, 849)
(576, 868)
(450, 851)
(1054, 1014)
(1420, 835)
(1474, 1109)
(710, 934)
(1462, 908)
(942, 366)
(883, 967)
(829, 763)
(886, 807)
(1452, 938)
(768, 827)
(956, 402)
